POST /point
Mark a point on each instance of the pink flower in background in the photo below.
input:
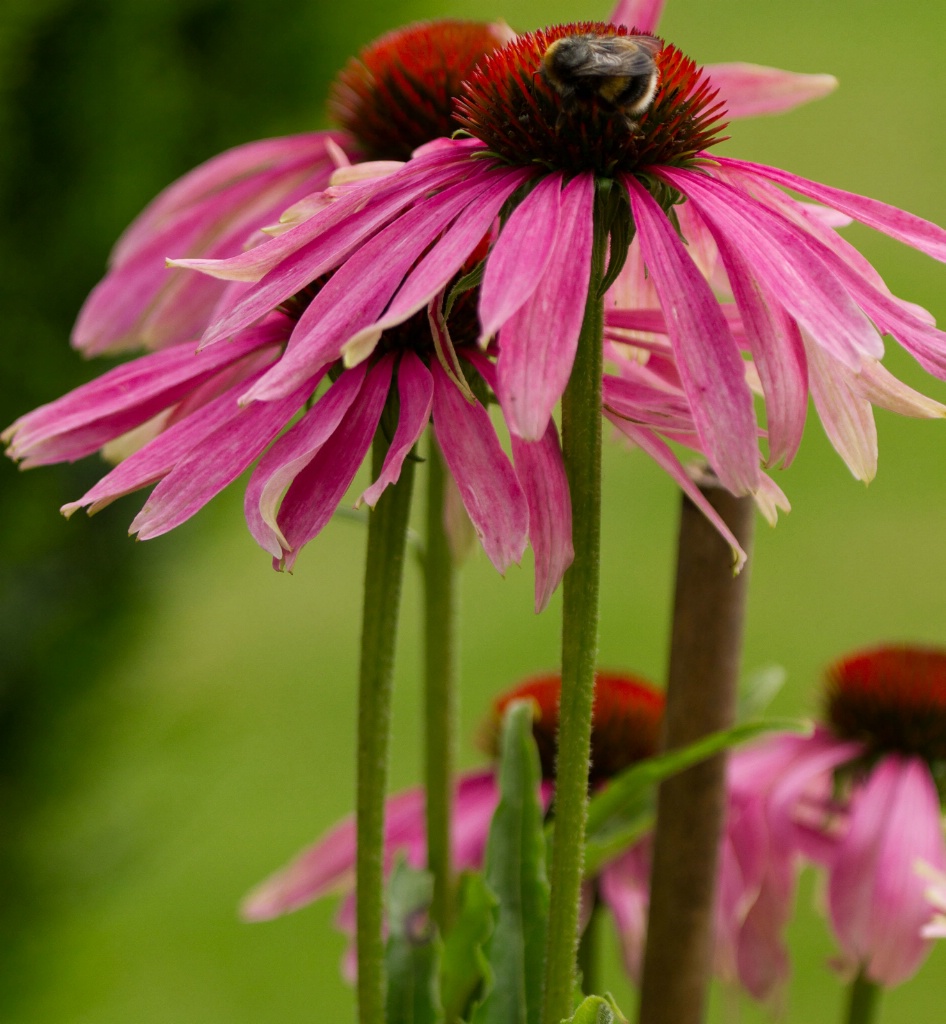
(222, 206)
(860, 799)
(627, 722)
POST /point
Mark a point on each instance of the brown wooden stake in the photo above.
(705, 653)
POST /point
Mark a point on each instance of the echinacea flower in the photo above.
(626, 729)
(860, 798)
(396, 96)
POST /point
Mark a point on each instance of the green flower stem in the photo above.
(440, 682)
(589, 949)
(864, 999)
(705, 651)
(581, 445)
(384, 565)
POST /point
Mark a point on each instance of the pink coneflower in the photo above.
(196, 427)
(860, 798)
(397, 95)
(627, 723)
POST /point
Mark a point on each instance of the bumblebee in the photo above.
(617, 71)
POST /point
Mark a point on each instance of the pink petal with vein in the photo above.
(905, 227)
(875, 896)
(415, 389)
(520, 255)
(787, 261)
(215, 461)
(210, 212)
(778, 353)
(640, 14)
(538, 343)
(711, 368)
(541, 472)
(490, 490)
(320, 485)
(290, 454)
(847, 417)
(83, 420)
(752, 89)
(444, 260)
(357, 293)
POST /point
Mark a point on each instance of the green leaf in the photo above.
(597, 1010)
(413, 952)
(463, 966)
(515, 872)
(621, 813)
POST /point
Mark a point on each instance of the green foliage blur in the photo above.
(176, 720)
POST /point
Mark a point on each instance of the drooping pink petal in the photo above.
(778, 353)
(538, 343)
(214, 462)
(355, 296)
(490, 490)
(415, 389)
(847, 417)
(876, 899)
(414, 179)
(787, 261)
(520, 255)
(83, 420)
(440, 264)
(905, 227)
(879, 386)
(711, 368)
(640, 14)
(752, 89)
(624, 887)
(210, 212)
(290, 454)
(541, 472)
(320, 485)
(663, 455)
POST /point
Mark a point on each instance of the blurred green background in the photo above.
(176, 719)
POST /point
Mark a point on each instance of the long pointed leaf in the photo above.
(413, 952)
(515, 872)
(622, 812)
(463, 966)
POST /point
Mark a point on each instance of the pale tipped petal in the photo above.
(710, 365)
(752, 89)
(538, 343)
(290, 454)
(488, 485)
(847, 417)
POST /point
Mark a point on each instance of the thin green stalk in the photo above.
(440, 689)
(384, 564)
(863, 1000)
(589, 949)
(581, 445)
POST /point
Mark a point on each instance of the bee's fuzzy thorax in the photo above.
(510, 104)
(398, 93)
